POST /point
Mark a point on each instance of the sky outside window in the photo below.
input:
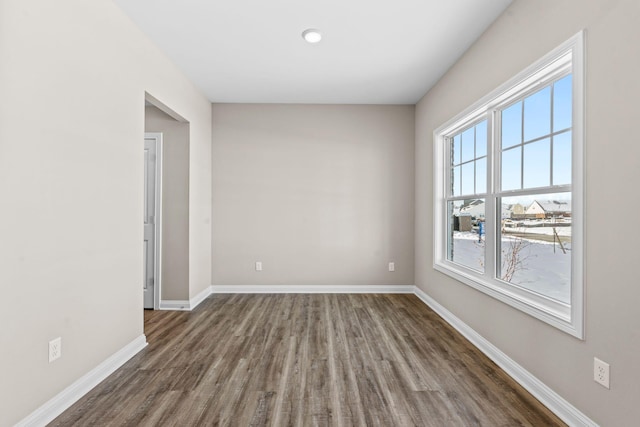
(536, 139)
(469, 161)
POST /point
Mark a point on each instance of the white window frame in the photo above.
(568, 57)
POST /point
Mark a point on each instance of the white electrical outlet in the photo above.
(55, 349)
(392, 266)
(601, 372)
(258, 265)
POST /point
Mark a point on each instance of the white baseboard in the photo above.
(177, 305)
(70, 395)
(549, 398)
(313, 289)
(195, 301)
(184, 305)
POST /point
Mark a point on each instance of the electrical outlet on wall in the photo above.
(601, 372)
(55, 349)
(392, 266)
(258, 265)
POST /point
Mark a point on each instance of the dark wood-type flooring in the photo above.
(307, 360)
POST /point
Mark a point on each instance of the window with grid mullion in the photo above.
(468, 161)
(507, 221)
(529, 128)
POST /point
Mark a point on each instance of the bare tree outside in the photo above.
(513, 258)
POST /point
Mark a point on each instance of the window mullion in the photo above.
(475, 160)
(448, 190)
(490, 201)
(448, 161)
(537, 190)
(521, 145)
(551, 138)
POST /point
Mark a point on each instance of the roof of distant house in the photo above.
(475, 208)
(555, 205)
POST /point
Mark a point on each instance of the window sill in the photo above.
(552, 312)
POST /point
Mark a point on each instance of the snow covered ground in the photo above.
(540, 270)
(562, 231)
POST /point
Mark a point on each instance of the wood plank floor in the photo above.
(307, 360)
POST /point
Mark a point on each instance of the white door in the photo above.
(152, 143)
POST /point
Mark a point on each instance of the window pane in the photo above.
(455, 181)
(562, 159)
(537, 164)
(562, 104)
(465, 245)
(481, 176)
(512, 125)
(511, 169)
(455, 154)
(468, 151)
(481, 139)
(537, 114)
(468, 176)
(535, 251)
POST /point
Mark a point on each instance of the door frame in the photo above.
(157, 241)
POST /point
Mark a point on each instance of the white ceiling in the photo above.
(372, 51)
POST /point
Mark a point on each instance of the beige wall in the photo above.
(73, 77)
(321, 194)
(524, 33)
(175, 202)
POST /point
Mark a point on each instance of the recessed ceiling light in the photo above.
(311, 35)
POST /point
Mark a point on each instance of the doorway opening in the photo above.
(166, 206)
(152, 219)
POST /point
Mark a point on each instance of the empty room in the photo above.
(339, 213)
